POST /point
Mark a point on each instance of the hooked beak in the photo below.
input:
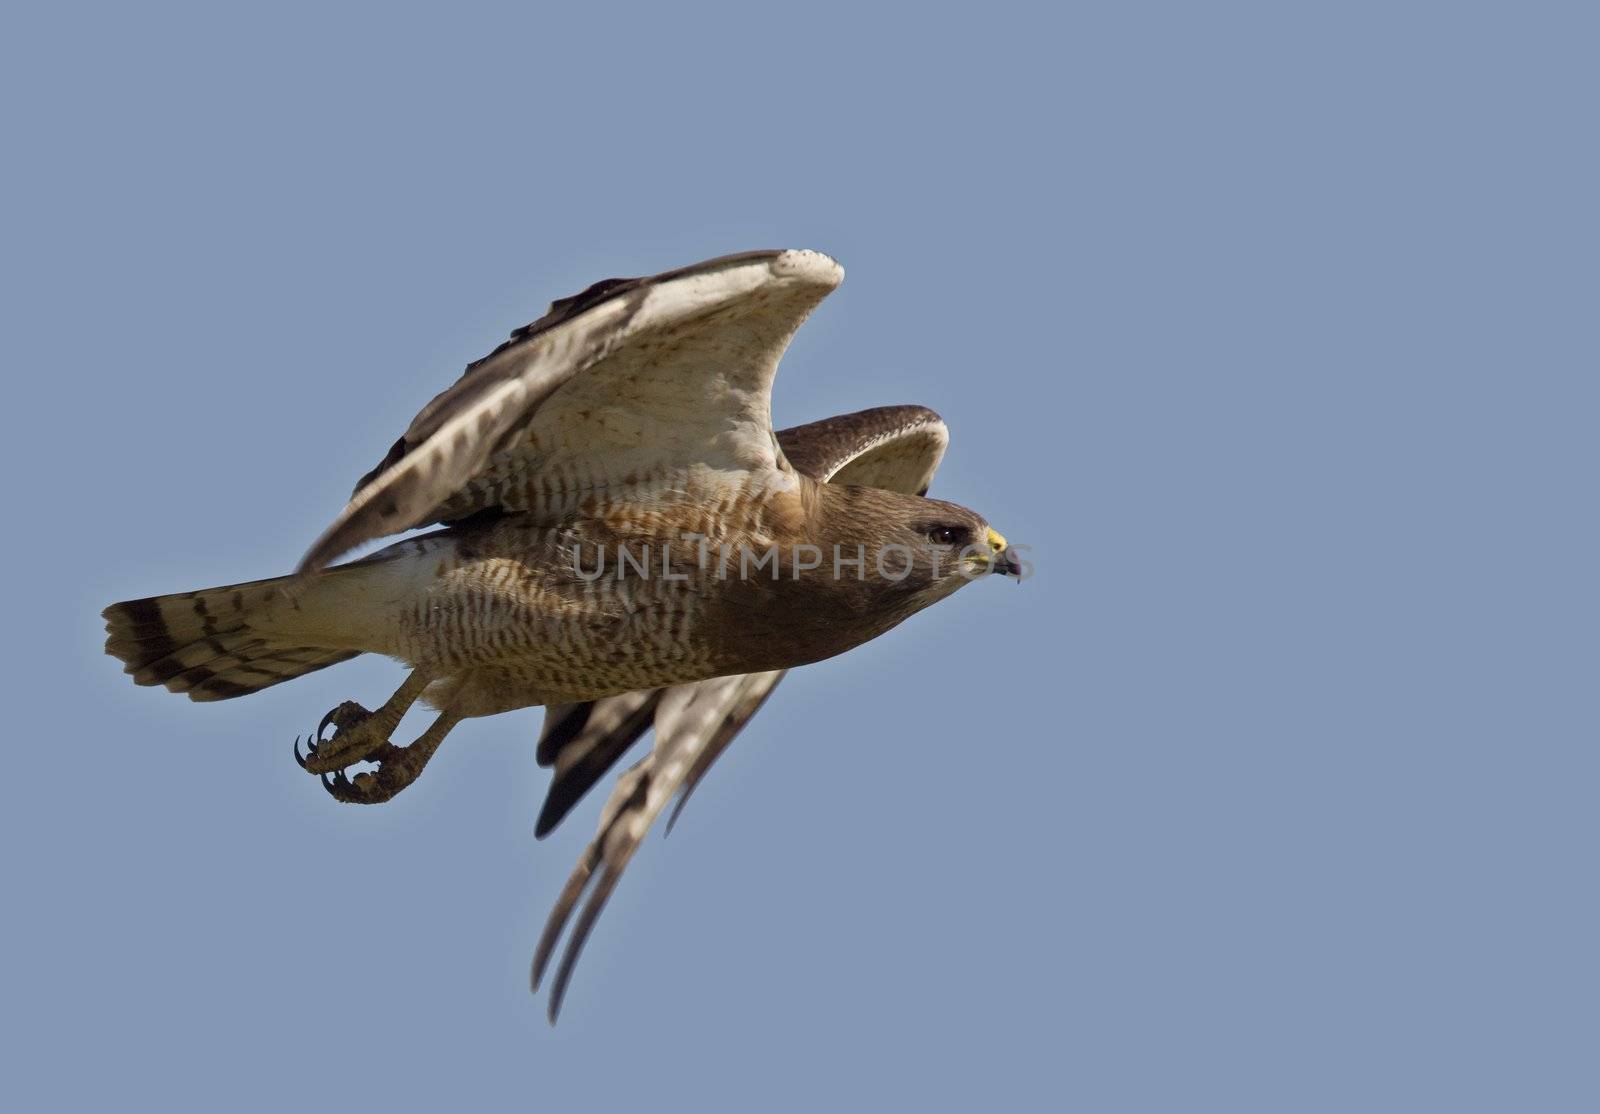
(1001, 559)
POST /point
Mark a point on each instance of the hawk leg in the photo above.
(397, 767)
(358, 733)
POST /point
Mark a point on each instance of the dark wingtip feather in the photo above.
(560, 728)
(573, 783)
(550, 815)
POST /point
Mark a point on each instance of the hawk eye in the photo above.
(949, 535)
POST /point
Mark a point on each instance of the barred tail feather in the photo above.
(203, 643)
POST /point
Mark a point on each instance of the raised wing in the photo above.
(896, 447)
(623, 384)
(893, 447)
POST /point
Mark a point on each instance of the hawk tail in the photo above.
(205, 644)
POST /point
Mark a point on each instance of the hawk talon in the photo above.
(345, 717)
(395, 770)
(356, 732)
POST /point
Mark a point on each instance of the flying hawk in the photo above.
(625, 541)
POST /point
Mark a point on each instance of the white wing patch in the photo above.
(664, 375)
(901, 461)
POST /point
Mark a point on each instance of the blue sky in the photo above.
(1270, 330)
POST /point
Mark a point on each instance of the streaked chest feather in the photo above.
(626, 593)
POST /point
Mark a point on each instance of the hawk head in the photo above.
(909, 548)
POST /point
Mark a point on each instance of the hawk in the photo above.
(623, 540)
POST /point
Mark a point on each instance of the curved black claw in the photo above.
(392, 771)
(323, 747)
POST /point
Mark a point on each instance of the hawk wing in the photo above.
(895, 447)
(621, 385)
